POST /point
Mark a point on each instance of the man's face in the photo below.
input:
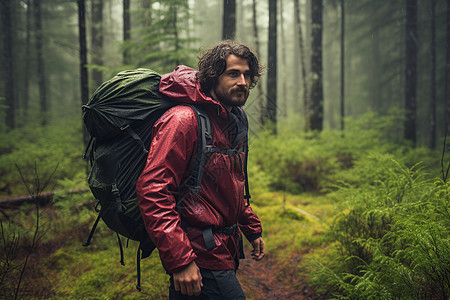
(233, 84)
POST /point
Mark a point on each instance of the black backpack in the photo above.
(119, 116)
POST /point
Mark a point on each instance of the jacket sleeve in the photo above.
(250, 224)
(173, 145)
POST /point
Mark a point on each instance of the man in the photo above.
(221, 86)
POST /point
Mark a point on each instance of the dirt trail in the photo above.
(261, 280)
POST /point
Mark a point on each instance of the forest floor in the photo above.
(268, 279)
(263, 280)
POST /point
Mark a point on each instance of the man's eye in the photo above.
(233, 74)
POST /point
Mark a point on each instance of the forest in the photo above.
(348, 163)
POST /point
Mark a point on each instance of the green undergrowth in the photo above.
(39, 150)
(95, 271)
(385, 211)
(298, 162)
(292, 221)
(389, 238)
(357, 216)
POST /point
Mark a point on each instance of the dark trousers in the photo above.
(221, 285)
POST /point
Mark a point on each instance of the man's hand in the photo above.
(259, 249)
(188, 280)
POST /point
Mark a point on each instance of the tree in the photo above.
(271, 108)
(316, 99)
(433, 76)
(298, 22)
(8, 62)
(259, 97)
(166, 43)
(447, 72)
(97, 40)
(410, 70)
(229, 19)
(147, 12)
(173, 11)
(40, 63)
(342, 64)
(127, 27)
(26, 83)
(83, 58)
(283, 60)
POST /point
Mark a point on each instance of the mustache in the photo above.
(240, 89)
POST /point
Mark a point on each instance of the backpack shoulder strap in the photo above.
(243, 115)
(204, 139)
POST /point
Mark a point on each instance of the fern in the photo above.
(393, 236)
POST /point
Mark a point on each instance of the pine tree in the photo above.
(166, 43)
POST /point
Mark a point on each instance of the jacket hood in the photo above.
(182, 86)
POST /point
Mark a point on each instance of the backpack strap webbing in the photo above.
(247, 195)
(91, 233)
(243, 117)
(122, 262)
(194, 180)
(135, 136)
(138, 268)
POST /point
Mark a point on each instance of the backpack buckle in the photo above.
(116, 195)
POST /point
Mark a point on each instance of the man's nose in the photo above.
(242, 80)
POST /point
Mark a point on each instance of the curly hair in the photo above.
(212, 63)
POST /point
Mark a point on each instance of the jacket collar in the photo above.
(182, 86)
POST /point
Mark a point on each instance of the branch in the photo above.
(38, 189)
(43, 198)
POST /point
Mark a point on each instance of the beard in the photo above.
(236, 97)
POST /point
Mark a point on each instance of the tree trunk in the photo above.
(316, 99)
(411, 70)
(26, 83)
(8, 62)
(272, 66)
(342, 64)
(177, 47)
(375, 68)
(259, 96)
(126, 28)
(283, 63)
(40, 63)
(97, 40)
(447, 73)
(298, 22)
(433, 76)
(83, 59)
(229, 19)
(307, 44)
(147, 6)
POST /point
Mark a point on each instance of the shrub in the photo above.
(391, 236)
(296, 162)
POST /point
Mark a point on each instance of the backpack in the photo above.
(119, 117)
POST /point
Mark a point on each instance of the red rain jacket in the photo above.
(220, 203)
